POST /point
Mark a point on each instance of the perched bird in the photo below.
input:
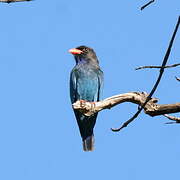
(86, 81)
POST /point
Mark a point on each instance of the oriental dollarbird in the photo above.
(86, 81)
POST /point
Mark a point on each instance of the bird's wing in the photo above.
(73, 87)
(100, 84)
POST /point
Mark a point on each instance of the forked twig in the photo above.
(157, 82)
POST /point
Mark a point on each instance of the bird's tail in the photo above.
(88, 143)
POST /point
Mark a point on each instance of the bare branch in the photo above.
(87, 109)
(173, 118)
(150, 2)
(157, 67)
(157, 82)
(178, 79)
(151, 108)
(11, 1)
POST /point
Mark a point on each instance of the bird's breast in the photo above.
(87, 84)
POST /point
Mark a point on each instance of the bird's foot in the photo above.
(93, 105)
(83, 104)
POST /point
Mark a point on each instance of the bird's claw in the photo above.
(83, 104)
(93, 105)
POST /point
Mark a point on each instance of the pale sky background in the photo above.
(39, 137)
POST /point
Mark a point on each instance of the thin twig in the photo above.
(157, 67)
(173, 118)
(157, 82)
(178, 79)
(12, 1)
(150, 2)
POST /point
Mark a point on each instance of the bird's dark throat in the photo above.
(81, 60)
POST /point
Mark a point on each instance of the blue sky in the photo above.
(39, 138)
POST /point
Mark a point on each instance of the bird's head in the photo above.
(84, 54)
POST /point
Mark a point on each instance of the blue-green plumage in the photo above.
(86, 84)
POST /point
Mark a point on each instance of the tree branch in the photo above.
(157, 82)
(150, 2)
(151, 108)
(178, 79)
(157, 67)
(173, 118)
(11, 1)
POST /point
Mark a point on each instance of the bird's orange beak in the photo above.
(75, 51)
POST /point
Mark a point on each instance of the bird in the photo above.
(86, 83)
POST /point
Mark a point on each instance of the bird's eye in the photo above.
(85, 50)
